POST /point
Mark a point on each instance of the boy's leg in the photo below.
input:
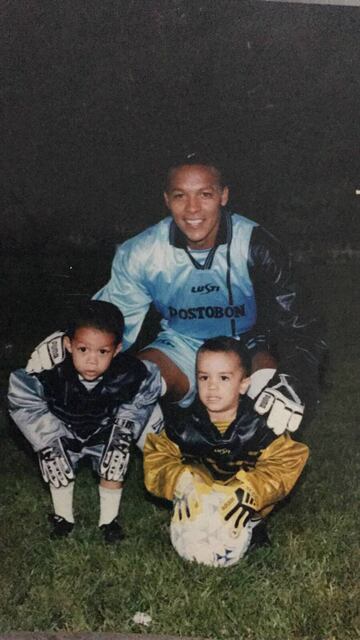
(110, 497)
(175, 355)
(62, 498)
(110, 492)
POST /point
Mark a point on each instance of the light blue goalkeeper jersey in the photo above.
(196, 300)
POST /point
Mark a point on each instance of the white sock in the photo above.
(63, 501)
(109, 504)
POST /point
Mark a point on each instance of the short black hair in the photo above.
(226, 344)
(197, 157)
(96, 314)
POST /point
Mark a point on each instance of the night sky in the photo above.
(97, 96)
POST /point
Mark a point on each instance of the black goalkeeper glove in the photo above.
(238, 509)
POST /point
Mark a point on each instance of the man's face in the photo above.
(220, 381)
(92, 351)
(195, 197)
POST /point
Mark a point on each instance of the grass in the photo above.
(304, 587)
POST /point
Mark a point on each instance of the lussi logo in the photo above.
(205, 288)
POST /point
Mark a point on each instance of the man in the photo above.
(212, 272)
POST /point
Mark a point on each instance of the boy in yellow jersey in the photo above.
(221, 439)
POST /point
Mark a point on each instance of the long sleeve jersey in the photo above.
(244, 287)
(247, 456)
(54, 403)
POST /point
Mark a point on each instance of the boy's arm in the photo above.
(140, 409)
(276, 472)
(129, 423)
(162, 465)
(29, 410)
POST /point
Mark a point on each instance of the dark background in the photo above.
(97, 95)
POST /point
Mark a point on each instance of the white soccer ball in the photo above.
(208, 539)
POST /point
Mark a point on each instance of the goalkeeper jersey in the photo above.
(247, 455)
(55, 403)
(244, 285)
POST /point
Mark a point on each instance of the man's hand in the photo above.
(115, 459)
(281, 402)
(55, 465)
(47, 354)
(186, 498)
(238, 509)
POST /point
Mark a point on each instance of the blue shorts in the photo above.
(182, 351)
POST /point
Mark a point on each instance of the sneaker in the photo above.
(260, 537)
(112, 532)
(61, 527)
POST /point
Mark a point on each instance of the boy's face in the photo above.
(195, 197)
(220, 379)
(92, 351)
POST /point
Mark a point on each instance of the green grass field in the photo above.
(304, 587)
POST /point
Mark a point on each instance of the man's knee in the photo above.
(177, 383)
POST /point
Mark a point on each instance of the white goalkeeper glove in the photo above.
(115, 459)
(47, 354)
(55, 465)
(186, 498)
(281, 402)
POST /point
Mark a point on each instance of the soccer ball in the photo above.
(207, 538)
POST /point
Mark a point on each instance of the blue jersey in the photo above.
(199, 297)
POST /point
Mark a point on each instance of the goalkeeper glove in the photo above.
(281, 402)
(186, 498)
(47, 354)
(238, 509)
(115, 458)
(55, 465)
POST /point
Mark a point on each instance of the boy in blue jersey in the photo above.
(221, 440)
(210, 271)
(93, 403)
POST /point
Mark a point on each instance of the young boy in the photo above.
(220, 439)
(93, 403)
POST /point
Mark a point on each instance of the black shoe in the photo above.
(61, 527)
(260, 537)
(112, 532)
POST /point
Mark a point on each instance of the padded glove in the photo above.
(186, 498)
(47, 354)
(55, 465)
(283, 405)
(238, 509)
(115, 458)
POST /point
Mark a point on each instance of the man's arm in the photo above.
(290, 328)
(283, 314)
(127, 289)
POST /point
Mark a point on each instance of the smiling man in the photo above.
(210, 271)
